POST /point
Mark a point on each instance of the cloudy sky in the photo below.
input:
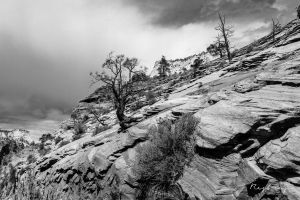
(48, 47)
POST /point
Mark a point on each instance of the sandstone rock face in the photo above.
(247, 140)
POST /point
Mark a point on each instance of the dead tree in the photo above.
(117, 75)
(275, 27)
(226, 33)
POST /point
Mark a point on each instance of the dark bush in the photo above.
(58, 140)
(151, 97)
(74, 115)
(85, 118)
(42, 150)
(31, 159)
(235, 53)
(79, 130)
(162, 160)
(152, 101)
(140, 76)
(63, 143)
(249, 49)
(137, 105)
(6, 159)
(46, 137)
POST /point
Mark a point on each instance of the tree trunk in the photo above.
(227, 45)
(120, 114)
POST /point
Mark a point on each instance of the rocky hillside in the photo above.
(247, 142)
(181, 65)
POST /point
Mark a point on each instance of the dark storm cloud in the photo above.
(30, 85)
(181, 12)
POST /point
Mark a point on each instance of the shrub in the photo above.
(42, 150)
(85, 118)
(33, 143)
(249, 49)
(161, 161)
(100, 129)
(76, 137)
(58, 140)
(151, 97)
(6, 159)
(74, 115)
(79, 130)
(152, 101)
(31, 159)
(137, 105)
(63, 143)
(140, 76)
(46, 137)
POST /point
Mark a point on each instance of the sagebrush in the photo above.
(162, 160)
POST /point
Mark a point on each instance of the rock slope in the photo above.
(181, 65)
(247, 140)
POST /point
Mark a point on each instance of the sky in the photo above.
(49, 47)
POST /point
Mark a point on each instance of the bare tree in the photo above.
(117, 75)
(226, 33)
(275, 27)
